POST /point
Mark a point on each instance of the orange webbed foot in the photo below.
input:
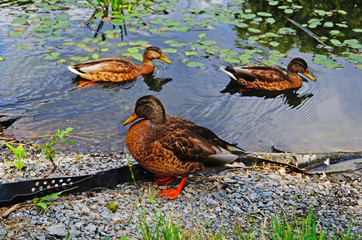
(173, 193)
(163, 181)
(85, 84)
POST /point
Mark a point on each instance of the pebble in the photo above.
(239, 197)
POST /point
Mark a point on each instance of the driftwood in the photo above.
(308, 160)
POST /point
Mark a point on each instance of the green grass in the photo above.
(155, 226)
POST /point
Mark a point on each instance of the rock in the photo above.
(58, 230)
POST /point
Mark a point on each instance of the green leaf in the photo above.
(254, 30)
(274, 44)
(122, 44)
(328, 24)
(288, 11)
(336, 42)
(42, 205)
(195, 64)
(2, 58)
(12, 34)
(264, 14)
(231, 60)
(241, 25)
(334, 32)
(79, 59)
(202, 35)
(169, 50)
(357, 30)
(341, 25)
(190, 53)
(95, 56)
(270, 20)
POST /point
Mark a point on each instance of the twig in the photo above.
(307, 31)
(253, 205)
(10, 210)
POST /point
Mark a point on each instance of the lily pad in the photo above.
(274, 44)
(95, 56)
(195, 64)
(190, 53)
(241, 25)
(17, 33)
(254, 30)
(264, 14)
(79, 59)
(1, 58)
(231, 60)
(202, 35)
(328, 24)
(336, 42)
(270, 20)
(170, 50)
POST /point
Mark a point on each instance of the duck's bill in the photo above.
(306, 73)
(131, 118)
(165, 59)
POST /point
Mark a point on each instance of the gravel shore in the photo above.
(215, 201)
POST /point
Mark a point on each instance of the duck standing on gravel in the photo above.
(117, 69)
(268, 78)
(172, 147)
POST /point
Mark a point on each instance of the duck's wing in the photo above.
(192, 143)
(115, 65)
(253, 73)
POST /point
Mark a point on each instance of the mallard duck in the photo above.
(269, 78)
(172, 147)
(118, 69)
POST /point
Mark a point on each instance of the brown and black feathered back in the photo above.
(173, 146)
(118, 69)
(269, 78)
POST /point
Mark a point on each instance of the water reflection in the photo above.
(290, 96)
(154, 83)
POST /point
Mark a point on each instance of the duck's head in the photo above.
(155, 53)
(148, 107)
(300, 65)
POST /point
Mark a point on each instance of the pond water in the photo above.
(39, 40)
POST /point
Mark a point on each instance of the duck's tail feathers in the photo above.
(74, 70)
(229, 71)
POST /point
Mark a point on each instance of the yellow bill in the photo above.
(131, 118)
(164, 58)
(306, 73)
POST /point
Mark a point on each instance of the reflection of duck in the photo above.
(172, 146)
(118, 69)
(269, 78)
(290, 96)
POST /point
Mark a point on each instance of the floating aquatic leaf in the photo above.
(176, 44)
(328, 24)
(341, 25)
(212, 50)
(244, 57)
(354, 43)
(1, 58)
(342, 12)
(334, 32)
(79, 59)
(195, 64)
(254, 30)
(264, 14)
(320, 12)
(270, 20)
(12, 34)
(273, 3)
(355, 58)
(190, 53)
(274, 44)
(336, 42)
(326, 62)
(52, 56)
(241, 25)
(18, 28)
(138, 56)
(288, 11)
(181, 28)
(25, 47)
(208, 42)
(134, 49)
(138, 43)
(169, 41)
(248, 16)
(202, 35)
(157, 21)
(277, 53)
(359, 66)
(63, 16)
(95, 56)
(231, 60)
(81, 45)
(169, 50)
(104, 49)
(99, 14)
(117, 22)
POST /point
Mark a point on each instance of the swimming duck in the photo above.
(269, 78)
(172, 147)
(118, 69)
